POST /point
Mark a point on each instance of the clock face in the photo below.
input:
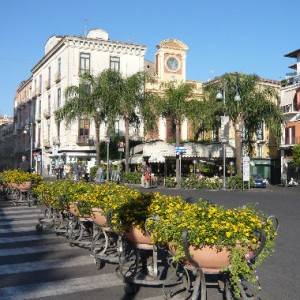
(172, 63)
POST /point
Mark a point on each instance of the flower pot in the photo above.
(210, 259)
(73, 209)
(24, 186)
(98, 216)
(137, 236)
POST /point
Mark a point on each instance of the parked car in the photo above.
(259, 182)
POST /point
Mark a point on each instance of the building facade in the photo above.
(290, 105)
(64, 60)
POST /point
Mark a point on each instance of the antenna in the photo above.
(85, 22)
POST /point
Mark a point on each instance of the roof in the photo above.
(293, 54)
(293, 66)
(64, 39)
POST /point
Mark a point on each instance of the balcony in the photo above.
(291, 81)
(47, 84)
(85, 141)
(46, 143)
(57, 77)
(47, 113)
(289, 142)
(56, 141)
(289, 110)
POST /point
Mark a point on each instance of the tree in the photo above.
(134, 105)
(296, 155)
(254, 108)
(174, 104)
(93, 98)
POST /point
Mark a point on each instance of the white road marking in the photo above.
(62, 287)
(2, 223)
(26, 238)
(46, 265)
(17, 229)
(35, 249)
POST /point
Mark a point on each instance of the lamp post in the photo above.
(221, 95)
(28, 129)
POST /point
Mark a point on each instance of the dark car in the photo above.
(259, 182)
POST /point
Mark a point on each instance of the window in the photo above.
(59, 67)
(260, 132)
(40, 108)
(58, 97)
(48, 130)
(40, 83)
(114, 63)
(49, 104)
(290, 135)
(58, 130)
(84, 128)
(259, 150)
(39, 136)
(84, 63)
(49, 75)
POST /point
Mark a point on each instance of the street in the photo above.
(44, 266)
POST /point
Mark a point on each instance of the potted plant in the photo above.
(218, 239)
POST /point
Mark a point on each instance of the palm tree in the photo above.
(255, 107)
(174, 105)
(91, 98)
(133, 106)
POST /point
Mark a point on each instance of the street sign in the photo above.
(180, 150)
(246, 168)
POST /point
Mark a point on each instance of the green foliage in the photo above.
(170, 182)
(93, 172)
(132, 177)
(256, 106)
(296, 156)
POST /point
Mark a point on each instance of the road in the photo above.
(44, 266)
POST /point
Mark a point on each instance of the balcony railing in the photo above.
(85, 141)
(294, 80)
(46, 143)
(47, 84)
(293, 140)
(288, 109)
(56, 141)
(47, 113)
(57, 77)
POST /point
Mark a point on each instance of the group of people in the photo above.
(113, 175)
(75, 171)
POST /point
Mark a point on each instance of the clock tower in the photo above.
(171, 60)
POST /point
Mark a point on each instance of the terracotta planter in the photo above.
(98, 216)
(73, 209)
(25, 186)
(136, 235)
(208, 258)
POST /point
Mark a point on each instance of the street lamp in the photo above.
(28, 129)
(221, 95)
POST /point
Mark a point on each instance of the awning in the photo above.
(136, 159)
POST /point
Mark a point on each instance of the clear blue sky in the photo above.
(223, 35)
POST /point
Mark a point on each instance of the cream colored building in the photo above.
(65, 58)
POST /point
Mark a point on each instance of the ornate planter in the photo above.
(73, 209)
(98, 217)
(209, 259)
(24, 187)
(136, 236)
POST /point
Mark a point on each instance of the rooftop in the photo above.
(293, 54)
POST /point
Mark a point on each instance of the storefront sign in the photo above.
(246, 168)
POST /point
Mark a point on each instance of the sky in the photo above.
(248, 36)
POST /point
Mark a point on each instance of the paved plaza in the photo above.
(44, 266)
